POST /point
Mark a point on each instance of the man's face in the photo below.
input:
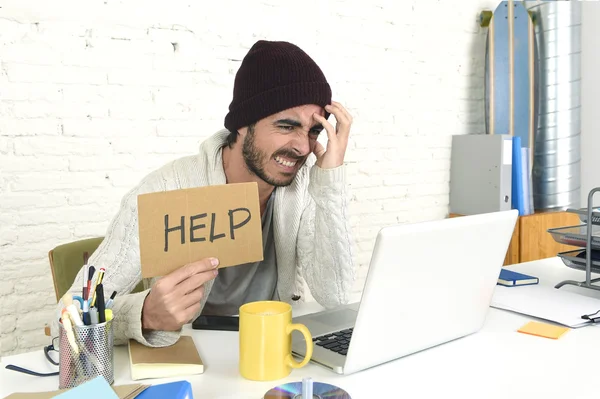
(277, 146)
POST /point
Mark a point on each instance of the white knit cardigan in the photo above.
(311, 231)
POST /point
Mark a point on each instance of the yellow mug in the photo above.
(266, 341)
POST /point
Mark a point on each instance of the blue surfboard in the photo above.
(511, 73)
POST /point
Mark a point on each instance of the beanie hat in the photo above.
(273, 77)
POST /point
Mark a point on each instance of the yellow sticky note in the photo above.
(543, 330)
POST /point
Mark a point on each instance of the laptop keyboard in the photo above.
(337, 342)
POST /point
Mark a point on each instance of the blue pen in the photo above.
(111, 300)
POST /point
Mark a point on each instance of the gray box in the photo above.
(480, 173)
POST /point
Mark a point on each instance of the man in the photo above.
(281, 102)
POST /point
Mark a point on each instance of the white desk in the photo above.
(496, 362)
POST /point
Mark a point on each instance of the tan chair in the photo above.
(65, 262)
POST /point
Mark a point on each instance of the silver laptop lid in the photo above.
(428, 283)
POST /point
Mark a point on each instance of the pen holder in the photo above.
(95, 357)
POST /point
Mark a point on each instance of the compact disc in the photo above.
(293, 390)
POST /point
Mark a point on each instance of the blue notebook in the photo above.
(509, 278)
(171, 390)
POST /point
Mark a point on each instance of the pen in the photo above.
(86, 313)
(101, 308)
(91, 271)
(85, 276)
(93, 315)
(86, 283)
(111, 300)
(98, 281)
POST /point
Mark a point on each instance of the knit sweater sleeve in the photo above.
(325, 253)
(119, 255)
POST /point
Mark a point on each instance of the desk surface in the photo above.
(496, 362)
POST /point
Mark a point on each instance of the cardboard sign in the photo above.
(182, 226)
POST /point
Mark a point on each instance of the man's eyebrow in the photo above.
(295, 123)
(290, 122)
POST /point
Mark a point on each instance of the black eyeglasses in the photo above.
(51, 348)
(47, 350)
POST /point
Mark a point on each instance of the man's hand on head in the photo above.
(337, 138)
(175, 298)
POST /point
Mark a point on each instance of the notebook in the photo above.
(509, 278)
(179, 359)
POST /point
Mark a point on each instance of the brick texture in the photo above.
(94, 95)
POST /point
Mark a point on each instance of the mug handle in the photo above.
(309, 345)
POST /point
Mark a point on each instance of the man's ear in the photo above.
(243, 131)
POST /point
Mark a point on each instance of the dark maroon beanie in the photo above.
(273, 77)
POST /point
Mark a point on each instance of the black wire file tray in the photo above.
(587, 237)
(576, 235)
(576, 260)
(583, 214)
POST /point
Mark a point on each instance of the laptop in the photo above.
(428, 283)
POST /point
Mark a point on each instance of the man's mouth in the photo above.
(284, 162)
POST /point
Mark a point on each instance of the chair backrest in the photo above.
(67, 259)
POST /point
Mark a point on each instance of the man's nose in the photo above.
(301, 145)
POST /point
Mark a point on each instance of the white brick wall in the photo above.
(94, 95)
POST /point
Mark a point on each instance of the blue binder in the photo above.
(171, 390)
(518, 192)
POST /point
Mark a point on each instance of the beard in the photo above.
(256, 160)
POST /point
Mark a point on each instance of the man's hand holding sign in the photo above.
(185, 235)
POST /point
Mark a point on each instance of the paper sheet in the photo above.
(546, 303)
